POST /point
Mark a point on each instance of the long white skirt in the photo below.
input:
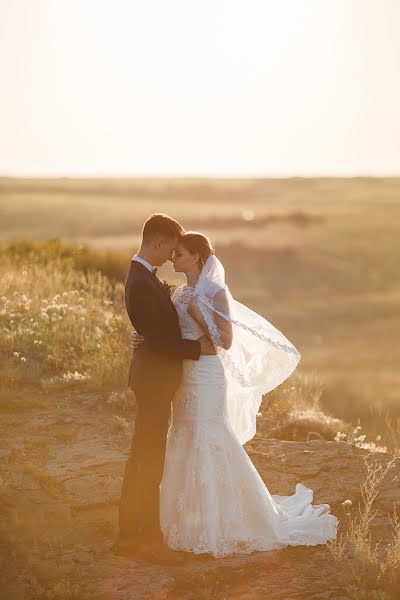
(212, 498)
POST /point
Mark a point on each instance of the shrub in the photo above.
(58, 322)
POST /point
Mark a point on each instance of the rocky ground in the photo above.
(62, 457)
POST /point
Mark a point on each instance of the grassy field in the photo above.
(317, 257)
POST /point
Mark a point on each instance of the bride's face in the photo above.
(182, 260)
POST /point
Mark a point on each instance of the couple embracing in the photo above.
(201, 363)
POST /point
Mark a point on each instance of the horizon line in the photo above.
(359, 175)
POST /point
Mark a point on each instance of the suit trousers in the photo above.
(139, 509)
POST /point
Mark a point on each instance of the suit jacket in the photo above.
(153, 315)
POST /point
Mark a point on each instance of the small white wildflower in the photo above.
(113, 397)
(23, 359)
(372, 447)
(16, 354)
(70, 376)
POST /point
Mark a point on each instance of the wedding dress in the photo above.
(212, 498)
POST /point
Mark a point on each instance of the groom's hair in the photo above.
(161, 225)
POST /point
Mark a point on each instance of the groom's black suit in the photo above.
(154, 376)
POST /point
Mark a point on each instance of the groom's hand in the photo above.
(206, 345)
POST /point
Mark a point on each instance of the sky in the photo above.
(218, 88)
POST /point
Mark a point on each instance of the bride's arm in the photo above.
(220, 302)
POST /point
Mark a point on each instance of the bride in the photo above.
(212, 499)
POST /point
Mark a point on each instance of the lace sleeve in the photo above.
(177, 294)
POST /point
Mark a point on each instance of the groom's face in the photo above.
(165, 249)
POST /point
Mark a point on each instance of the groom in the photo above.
(154, 376)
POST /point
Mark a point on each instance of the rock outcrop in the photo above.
(61, 471)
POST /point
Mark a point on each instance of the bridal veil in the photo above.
(260, 357)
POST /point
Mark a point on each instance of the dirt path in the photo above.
(61, 465)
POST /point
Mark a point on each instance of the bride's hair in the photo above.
(198, 243)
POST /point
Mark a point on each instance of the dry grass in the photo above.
(393, 429)
(295, 412)
(372, 572)
(60, 325)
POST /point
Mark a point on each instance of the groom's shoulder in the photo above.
(136, 274)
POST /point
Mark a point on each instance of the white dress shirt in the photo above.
(144, 262)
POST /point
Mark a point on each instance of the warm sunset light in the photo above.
(199, 303)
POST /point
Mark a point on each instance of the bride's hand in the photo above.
(206, 346)
(136, 340)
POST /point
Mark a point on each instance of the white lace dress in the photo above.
(212, 498)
